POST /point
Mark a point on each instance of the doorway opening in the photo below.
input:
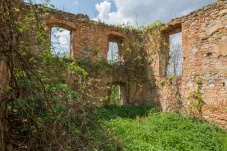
(118, 95)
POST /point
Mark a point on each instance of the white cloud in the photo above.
(176, 39)
(60, 39)
(64, 38)
(146, 11)
(76, 3)
(103, 11)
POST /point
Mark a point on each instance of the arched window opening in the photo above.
(60, 41)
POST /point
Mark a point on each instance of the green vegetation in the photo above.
(144, 129)
(154, 25)
(114, 97)
(198, 100)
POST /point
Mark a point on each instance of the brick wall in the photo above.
(204, 42)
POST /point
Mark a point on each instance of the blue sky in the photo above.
(137, 12)
(77, 6)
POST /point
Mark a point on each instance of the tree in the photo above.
(39, 108)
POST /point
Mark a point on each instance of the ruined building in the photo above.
(141, 71)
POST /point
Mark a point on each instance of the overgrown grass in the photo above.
(144, 129)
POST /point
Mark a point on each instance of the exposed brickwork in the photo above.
(204, 49)
(204, 36)
(216, 115)
(89, 42)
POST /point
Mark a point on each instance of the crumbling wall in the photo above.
(89, 46)
(205, 56)
(204, 36)
(204, 48)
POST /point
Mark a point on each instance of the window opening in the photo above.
(175, 65)
(60, 41)
(113, 53)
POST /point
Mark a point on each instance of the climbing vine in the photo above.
(197, 97)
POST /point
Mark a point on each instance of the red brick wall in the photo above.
(204, 36)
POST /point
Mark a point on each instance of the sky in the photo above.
(135, 12)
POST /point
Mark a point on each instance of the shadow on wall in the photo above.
(131, 112)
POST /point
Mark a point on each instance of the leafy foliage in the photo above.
(45, 101)
(143, 128)
(198, 102)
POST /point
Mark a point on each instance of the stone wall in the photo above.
(205, 58)
(89, 45)
(204, 42)
(204, 49)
